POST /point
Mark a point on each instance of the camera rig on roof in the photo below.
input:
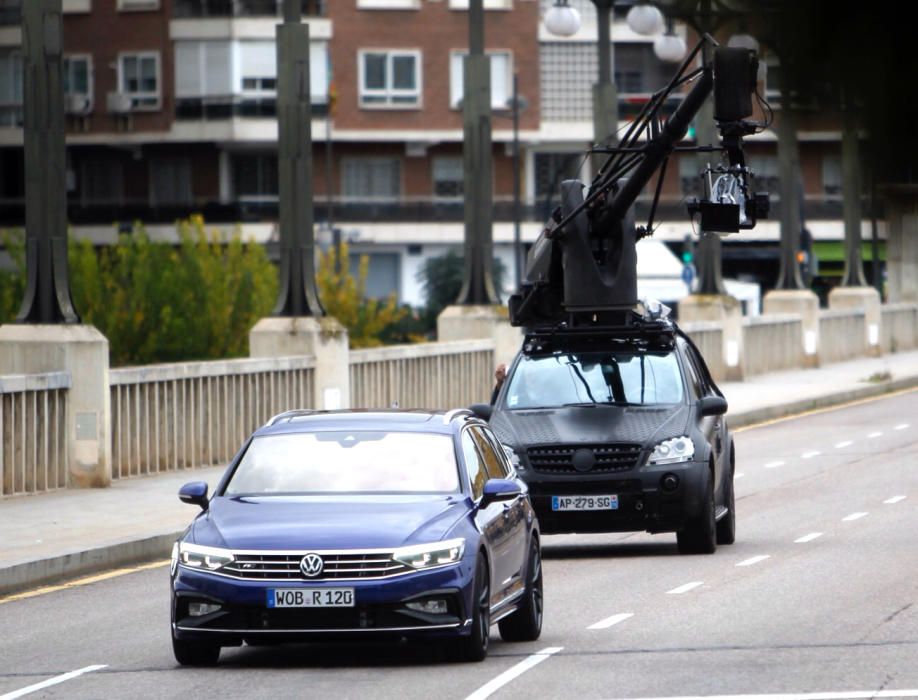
(581, 274)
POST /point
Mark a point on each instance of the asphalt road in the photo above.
(818, 598)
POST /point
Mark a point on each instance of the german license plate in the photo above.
(609, 502)
(310, 597)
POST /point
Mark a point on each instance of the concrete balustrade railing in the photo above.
(708, 337)
(842, 335)
(772, 343)
(899, 327)
(175, 416)
(33, 433)
(430, 375)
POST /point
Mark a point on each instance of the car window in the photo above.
(478, 474)
(633, 376)
(346, 462)
(694, 375)
(698, 366)
(493, 460)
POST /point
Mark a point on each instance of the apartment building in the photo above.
(171, 111)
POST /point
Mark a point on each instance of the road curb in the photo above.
(54, 569)
(786, 410)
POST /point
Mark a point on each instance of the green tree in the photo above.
(12, 281)
(441, 280)
(344, 296)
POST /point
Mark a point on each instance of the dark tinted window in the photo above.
(478, 474)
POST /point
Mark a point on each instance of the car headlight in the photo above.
(425, 556)
(199, 557)
(677, 449)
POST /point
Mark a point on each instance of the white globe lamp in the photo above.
(669, 47)
(562, 19)
(645, 19)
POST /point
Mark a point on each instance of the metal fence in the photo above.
(167, 417)
(434, 375)
(33, 433)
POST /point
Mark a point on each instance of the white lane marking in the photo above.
(686, 587)
(739, 475)
(811, 453)
(776, 463)
(808, 538)
(901, 426)
(839, 695)
(843, 444)
(894, 499)
(609, 621)
(754, 560)
(853, 516)
(51, 681)
(875, 434)
(500, 681)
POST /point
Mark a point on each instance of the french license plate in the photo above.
(609, 502)
(310, 597)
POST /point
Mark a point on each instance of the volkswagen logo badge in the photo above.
(311, 565)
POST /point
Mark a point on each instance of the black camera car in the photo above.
(609, 406)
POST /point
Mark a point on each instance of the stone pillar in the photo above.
(461, 322)
(902, 243)
(324, 338)
(868, 300)
(82, 351)
(805, 304)
(728, 313)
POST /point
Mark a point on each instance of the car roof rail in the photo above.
(290, 415)
(449, 415)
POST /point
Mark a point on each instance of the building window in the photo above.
(77, 72)
(501, 78)
(551, 169)
(383, 273)
(388, 4)
(832, 175)
(765, 171)
(390, 78)
(448, 179)
(371, 179)
(255, 176)
(138, 77)
(10, 89)
(101, 181)
(170, 182)
(137, 5)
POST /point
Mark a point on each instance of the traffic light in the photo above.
(688, 250)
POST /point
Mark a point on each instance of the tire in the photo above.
(194, 653)
(525, 625)
(474, 647)
(726, 526)
(698, 536)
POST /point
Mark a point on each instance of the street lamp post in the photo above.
(478, 279)
(47, 295)
(297, 295)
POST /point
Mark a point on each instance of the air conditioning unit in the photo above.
(77, 105)
(119, 103)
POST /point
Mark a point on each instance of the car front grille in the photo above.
(559, 459)
(336, 566)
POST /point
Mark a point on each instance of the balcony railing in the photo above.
(231, 107)
(242, 8)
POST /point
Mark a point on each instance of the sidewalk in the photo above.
(69, 533)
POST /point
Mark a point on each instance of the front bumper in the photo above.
(643, 503)
(379, 607)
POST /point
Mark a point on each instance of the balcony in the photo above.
(185, 9)
(234, 107)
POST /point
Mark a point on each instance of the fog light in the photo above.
(196, 609)
(670, 482)
(434, 606)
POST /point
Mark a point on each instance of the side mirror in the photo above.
(496, 490)
(194, 493)
(712, 406)
(482, 410)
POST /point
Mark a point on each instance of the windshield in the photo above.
(624, 378)
(347, 462)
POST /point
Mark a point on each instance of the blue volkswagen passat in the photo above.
(357, 524)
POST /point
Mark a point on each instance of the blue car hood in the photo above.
(326, 522)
